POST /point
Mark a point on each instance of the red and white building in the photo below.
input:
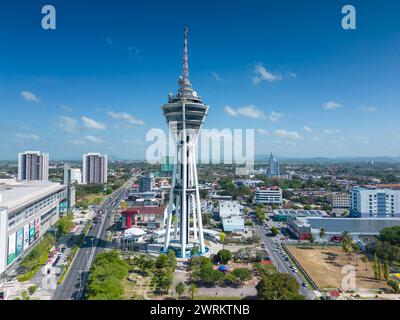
(148, 217)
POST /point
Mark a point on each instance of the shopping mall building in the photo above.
(27, 210)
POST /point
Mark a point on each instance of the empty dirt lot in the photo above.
(324, 266)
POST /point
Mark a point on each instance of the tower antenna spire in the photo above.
(185, 66)
(185, 87)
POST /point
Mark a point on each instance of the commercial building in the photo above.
(334, 227)
(148, 217)
(269, 196)
(72, 175)
(95, 166)
(229, 209)
(273, 170)
(70, 178)
(27, 210)
(33, 166)
(339, 200)
(299, 228)
(285, 214)
(379, 203)
(146, 183)
(233, 224)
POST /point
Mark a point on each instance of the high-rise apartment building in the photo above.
(146, 183)
(95, 166)
(273, 170)
(33, 166)
(377, 203)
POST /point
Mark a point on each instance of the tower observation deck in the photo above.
(185, 114)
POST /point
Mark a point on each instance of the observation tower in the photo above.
(185, 114)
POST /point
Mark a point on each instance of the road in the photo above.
(73, 286)
(278, 260)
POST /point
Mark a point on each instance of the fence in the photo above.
(298, 265)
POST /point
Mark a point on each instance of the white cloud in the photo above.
(93, 139)
(136, 141)
(68, 124)
(125, 117)
(22, 137)
(307, 129)
(367, 109)
(92, 124)
(275, 116)
(262, 74)
(29, 96)
(330, 131)
(332, 105)
(229, 110)
(291, 135)
(135, 53)
(250, 112)
(217, 76)
(262, 132)
(66, 108)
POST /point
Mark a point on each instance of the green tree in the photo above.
(193, 290)
(386, 273)
(322, 233)
(162, 261)
(222, 238)
(356, 250)
(278, 286)
(364, 259)
(171, 259)
(243, 274)
(376, 267)
(224, 256)
(311, 239)
(180, 289)
(105, 277)
(166, 281)
(347, 241)
(274, 231)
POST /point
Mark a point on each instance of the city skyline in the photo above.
(307, 92)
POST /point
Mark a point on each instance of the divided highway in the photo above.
(278, 260)
(74, 284)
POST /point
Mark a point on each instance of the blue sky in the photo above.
(283, 68)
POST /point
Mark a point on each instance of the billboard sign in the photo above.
(31, 232)
(11, 249)
(19, 242)
(26, 236)
(37, 228)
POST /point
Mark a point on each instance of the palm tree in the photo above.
(364, 259)
(376, 267)
(193, 290)
(311, 239)
(222, 238)
(180, 289)
(322, 233)
(356, 249)
(386, 273)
